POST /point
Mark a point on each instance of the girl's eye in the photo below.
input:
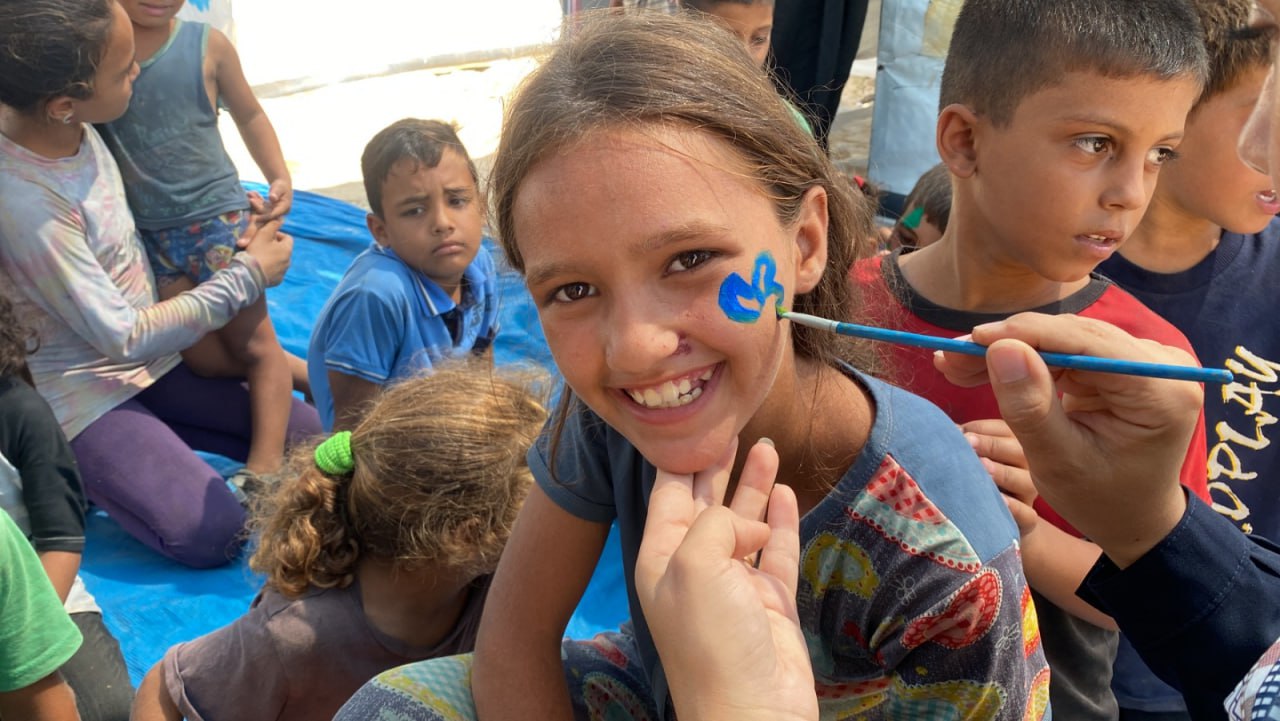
(573, 292)
(1093, 144)
(759, 40)
(689, 260)
(460, 201)
(1160, 156)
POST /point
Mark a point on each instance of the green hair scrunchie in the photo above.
(334, 455)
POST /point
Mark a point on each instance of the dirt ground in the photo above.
(324, 130)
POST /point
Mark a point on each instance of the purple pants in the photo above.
(137, 463)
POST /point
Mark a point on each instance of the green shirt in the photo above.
(36, 634)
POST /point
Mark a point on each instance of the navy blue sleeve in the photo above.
(1201, 607)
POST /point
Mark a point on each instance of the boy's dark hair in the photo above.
(933, 193)
(423, 141)
(1231, 53)
(1004, 50)
(50, 48)
(17, 340)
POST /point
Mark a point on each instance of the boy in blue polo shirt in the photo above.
(424, 291)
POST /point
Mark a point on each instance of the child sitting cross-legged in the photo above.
(378, 549)
(424, 291)
(1056, 119)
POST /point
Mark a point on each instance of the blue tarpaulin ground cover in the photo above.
(150, 603)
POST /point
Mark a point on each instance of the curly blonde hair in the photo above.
(439, 475)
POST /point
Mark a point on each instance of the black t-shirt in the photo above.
(33, 443)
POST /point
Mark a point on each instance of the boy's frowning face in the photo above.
(431, 217)
(1209, 180)
(1068, 178)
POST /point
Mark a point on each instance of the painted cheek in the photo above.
(745, 302)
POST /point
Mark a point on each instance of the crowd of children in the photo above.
(427, 520)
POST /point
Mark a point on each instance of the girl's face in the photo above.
(627, 236)
(113, 82)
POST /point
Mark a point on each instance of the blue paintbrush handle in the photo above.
(1059, 360)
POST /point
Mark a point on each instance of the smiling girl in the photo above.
(627, 199)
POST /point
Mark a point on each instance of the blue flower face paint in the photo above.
(745, 302)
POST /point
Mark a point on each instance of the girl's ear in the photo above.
(957, 126)
(60, 109)
(811, 239)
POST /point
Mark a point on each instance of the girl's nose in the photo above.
(638, 336)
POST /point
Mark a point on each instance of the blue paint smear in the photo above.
(764, 284)
(200, 4)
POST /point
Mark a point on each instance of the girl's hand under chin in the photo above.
(718, 588)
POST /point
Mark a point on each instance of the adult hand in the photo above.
(728, 632)
(272, 249)
(1107, 454)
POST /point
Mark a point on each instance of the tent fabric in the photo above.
(151, 603)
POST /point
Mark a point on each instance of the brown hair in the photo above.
(647, 69)
(1232, 53)
(17, 341)
(1005, 50)
(634, 70)
(439, 475)
(932, 192)
(422, 141)
(50, 48)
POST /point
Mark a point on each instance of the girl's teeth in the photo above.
(667, 395)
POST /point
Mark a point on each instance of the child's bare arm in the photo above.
(61, 567)
(540, 579)
(152, 703)
(255, 128)
(1054, 561)
(351, 398)
(49, 699)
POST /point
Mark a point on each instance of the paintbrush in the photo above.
(1059, 360)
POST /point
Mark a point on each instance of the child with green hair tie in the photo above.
(378, 546)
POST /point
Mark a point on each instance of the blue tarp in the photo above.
(150, 603)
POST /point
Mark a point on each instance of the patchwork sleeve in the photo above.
(47, 252)
(910, 621)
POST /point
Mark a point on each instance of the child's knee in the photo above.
(210, 538)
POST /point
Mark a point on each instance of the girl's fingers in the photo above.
(751, 496)
(709, 484)
(781, 555)
(671, 512)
